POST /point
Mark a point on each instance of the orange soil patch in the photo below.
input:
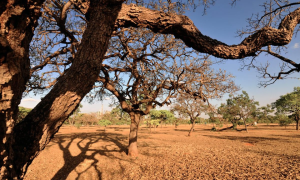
(248, 144)
(266, 152)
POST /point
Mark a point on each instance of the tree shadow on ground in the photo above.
(253, 128)
(276, 127)
(230, 128)
(85, 141)
(108, 127)
(182, 130)
(289, 136)
(289, 158)
(195, 130)
(152, 132)
(246, 139)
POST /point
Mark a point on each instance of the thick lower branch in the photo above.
(183, 28)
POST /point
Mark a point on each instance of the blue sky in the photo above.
(221, 22)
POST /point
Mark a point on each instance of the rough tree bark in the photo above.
(18, 20)
(133, 135)
(35, 131)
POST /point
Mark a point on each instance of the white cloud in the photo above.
(296, 45)
(31, 100)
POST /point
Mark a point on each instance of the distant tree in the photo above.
(263, 113)
(215, 119)
(283, 119)
(120, 115)
(153, 123)
(89, 119)
(116, 116)
(143, 70)
(170, 120)
(108, 116)
(176, 122)
(74, 118)
(272, 119)
(22, 113)
(162, 115)
(190, 107)
(228, 112)
(289, 104)
(238, 108)
(104, 123)
(179, 119)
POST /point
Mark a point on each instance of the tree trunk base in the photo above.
(132, 151)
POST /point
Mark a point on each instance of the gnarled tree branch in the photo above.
(183, 28)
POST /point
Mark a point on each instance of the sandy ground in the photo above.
(266, 152)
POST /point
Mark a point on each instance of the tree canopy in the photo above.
(240, 107)
(143, 70)
(190, 107)
(289, 104)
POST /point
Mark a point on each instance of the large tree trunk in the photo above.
(132, 147)
(18, 20)
(192, 128)
(32, 134)
(297, 125)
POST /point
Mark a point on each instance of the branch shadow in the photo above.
(195, 130)
(85, 141)
(182, 130)
(289, 136)
(295, 158)
(152, 132)
(118, 128)
(276, 126)
(246, 139)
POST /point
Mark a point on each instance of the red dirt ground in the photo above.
(266, 152)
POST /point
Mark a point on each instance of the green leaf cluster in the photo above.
(162, 115)
(22, 113)
(104, 122)
(237, 108)
(289, 104)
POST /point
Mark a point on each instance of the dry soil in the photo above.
(266, 152)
